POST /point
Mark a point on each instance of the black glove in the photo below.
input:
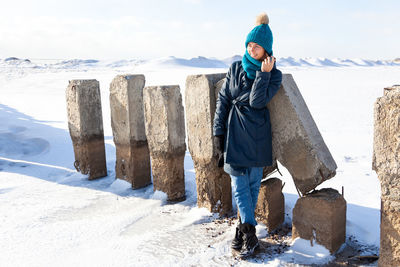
(219, 147)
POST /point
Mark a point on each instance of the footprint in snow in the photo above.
(15, 144)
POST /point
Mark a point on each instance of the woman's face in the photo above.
(256, 51)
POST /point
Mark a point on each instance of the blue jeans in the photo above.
(246, 188)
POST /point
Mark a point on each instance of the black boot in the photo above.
(237, 241)
(250, 239)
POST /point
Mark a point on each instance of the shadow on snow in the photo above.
(34, 148)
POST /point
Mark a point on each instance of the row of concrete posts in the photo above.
(149, 126)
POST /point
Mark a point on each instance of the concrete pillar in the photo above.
(386, 163)
(270, 208)
(85, 123)
(127, 121)
(213, 184)
(296, 141)
(321, 216)
(165, 130)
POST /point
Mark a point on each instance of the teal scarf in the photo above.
(250, 65)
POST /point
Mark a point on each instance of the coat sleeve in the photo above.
(223, 106)
(265, 86)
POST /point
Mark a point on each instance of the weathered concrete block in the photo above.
(296, 141)
(321, 216)
(213, 184)
(165, 130)
(386, 163)
(127, 121)
(270, 208)
(85, 123)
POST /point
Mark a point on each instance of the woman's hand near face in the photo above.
(267, 64)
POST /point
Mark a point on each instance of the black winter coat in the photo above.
(243, 118)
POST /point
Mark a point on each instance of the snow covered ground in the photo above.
(53, 216)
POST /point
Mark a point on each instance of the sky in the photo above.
(128, 29)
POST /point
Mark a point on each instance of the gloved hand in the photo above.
(219, 147)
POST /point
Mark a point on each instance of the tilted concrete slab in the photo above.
(296, 141)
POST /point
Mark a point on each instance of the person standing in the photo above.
(242, 128)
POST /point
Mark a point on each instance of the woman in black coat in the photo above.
(242, 128)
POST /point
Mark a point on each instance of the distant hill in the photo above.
(197, 62)
(203, 62)
(228, 61)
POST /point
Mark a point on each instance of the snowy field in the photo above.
(53, 216)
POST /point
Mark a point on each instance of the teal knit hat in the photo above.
(261, 33)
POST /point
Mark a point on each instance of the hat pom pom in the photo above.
(262, 19)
